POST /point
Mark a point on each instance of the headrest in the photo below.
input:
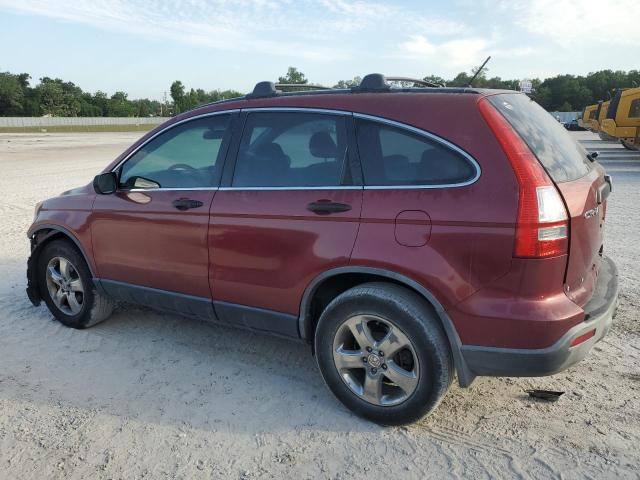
(322, 145)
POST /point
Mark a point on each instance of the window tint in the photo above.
(634, 109)
(396, 156)
(562, 156)
(290, 149)
(186, 156)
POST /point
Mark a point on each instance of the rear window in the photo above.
(562, 156)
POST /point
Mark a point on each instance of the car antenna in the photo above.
(478, 71)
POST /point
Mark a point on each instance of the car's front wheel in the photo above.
(383, 353)
(67, 288)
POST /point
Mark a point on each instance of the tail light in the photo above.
(542, 227)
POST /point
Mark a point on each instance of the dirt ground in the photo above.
(151, 395)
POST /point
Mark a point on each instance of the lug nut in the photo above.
(381, 353)
(374, 371)
(364, 359)
(369, 349)
(384, 366)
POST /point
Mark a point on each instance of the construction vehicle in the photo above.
(622, 120)
(601, 113)
(588, 113)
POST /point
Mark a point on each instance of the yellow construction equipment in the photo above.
(588, 113)
(601, 113)
(622, 120)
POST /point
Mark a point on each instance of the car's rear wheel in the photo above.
(67, 288)
(383, 353)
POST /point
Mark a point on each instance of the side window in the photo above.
(634, 109)
(395, 156)
(185, 156)
(292, 149)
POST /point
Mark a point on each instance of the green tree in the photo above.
(348, 83)
(177, 95)
(120, 106)
(435, 79)
(293, 75)
(11, 95)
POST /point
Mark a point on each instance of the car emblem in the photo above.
(591, 213)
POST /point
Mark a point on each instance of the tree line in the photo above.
(56, 97)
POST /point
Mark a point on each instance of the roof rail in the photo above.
(302, 86)
(416, 81)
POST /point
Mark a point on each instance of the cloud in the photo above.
(460, 53)
(574, 22)
(304, 29)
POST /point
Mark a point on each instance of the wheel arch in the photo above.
(327, 285)
(40, 236)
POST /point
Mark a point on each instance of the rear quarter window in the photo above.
(397, 156)
(560, 154)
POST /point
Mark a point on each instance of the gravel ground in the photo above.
(151, 395)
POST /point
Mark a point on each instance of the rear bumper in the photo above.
(515, 362)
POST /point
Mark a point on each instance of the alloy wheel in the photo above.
(65, 286)
(376, 360)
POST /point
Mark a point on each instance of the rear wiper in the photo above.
(592, 156)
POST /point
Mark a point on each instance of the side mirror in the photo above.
(105, 183)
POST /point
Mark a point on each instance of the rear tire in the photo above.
(393, 387)
(66, 286)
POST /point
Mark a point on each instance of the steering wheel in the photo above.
(183, 166)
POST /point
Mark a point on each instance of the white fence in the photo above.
(19, 122)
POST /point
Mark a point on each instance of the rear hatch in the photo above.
(580, 181)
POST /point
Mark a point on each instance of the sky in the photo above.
(141, 46)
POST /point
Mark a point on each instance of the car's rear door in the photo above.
(153, 231)
(288, 209)
(581, 182)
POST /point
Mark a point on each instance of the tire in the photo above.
(79, 304)
(628, 146)
(392, 315)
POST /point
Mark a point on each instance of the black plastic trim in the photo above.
(204, 308)
(259, 319)
(465, 376)
(183, 304)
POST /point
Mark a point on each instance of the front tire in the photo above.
(66, 286)
(382, 351)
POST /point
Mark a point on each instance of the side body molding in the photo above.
(465, 375)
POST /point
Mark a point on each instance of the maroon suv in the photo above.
(407, 234)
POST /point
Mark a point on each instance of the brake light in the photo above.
(542, 228)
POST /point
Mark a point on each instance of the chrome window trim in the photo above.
(169, 189)
(363, 116)
(341, 187)
(430, 136)
(169, 127)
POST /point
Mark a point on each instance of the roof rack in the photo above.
(302, 86)
(416, 81)
(373, 82)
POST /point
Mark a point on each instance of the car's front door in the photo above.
(290, 210)
(153, 231)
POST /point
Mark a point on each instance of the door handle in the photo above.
(326, 207)
(186, 203)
